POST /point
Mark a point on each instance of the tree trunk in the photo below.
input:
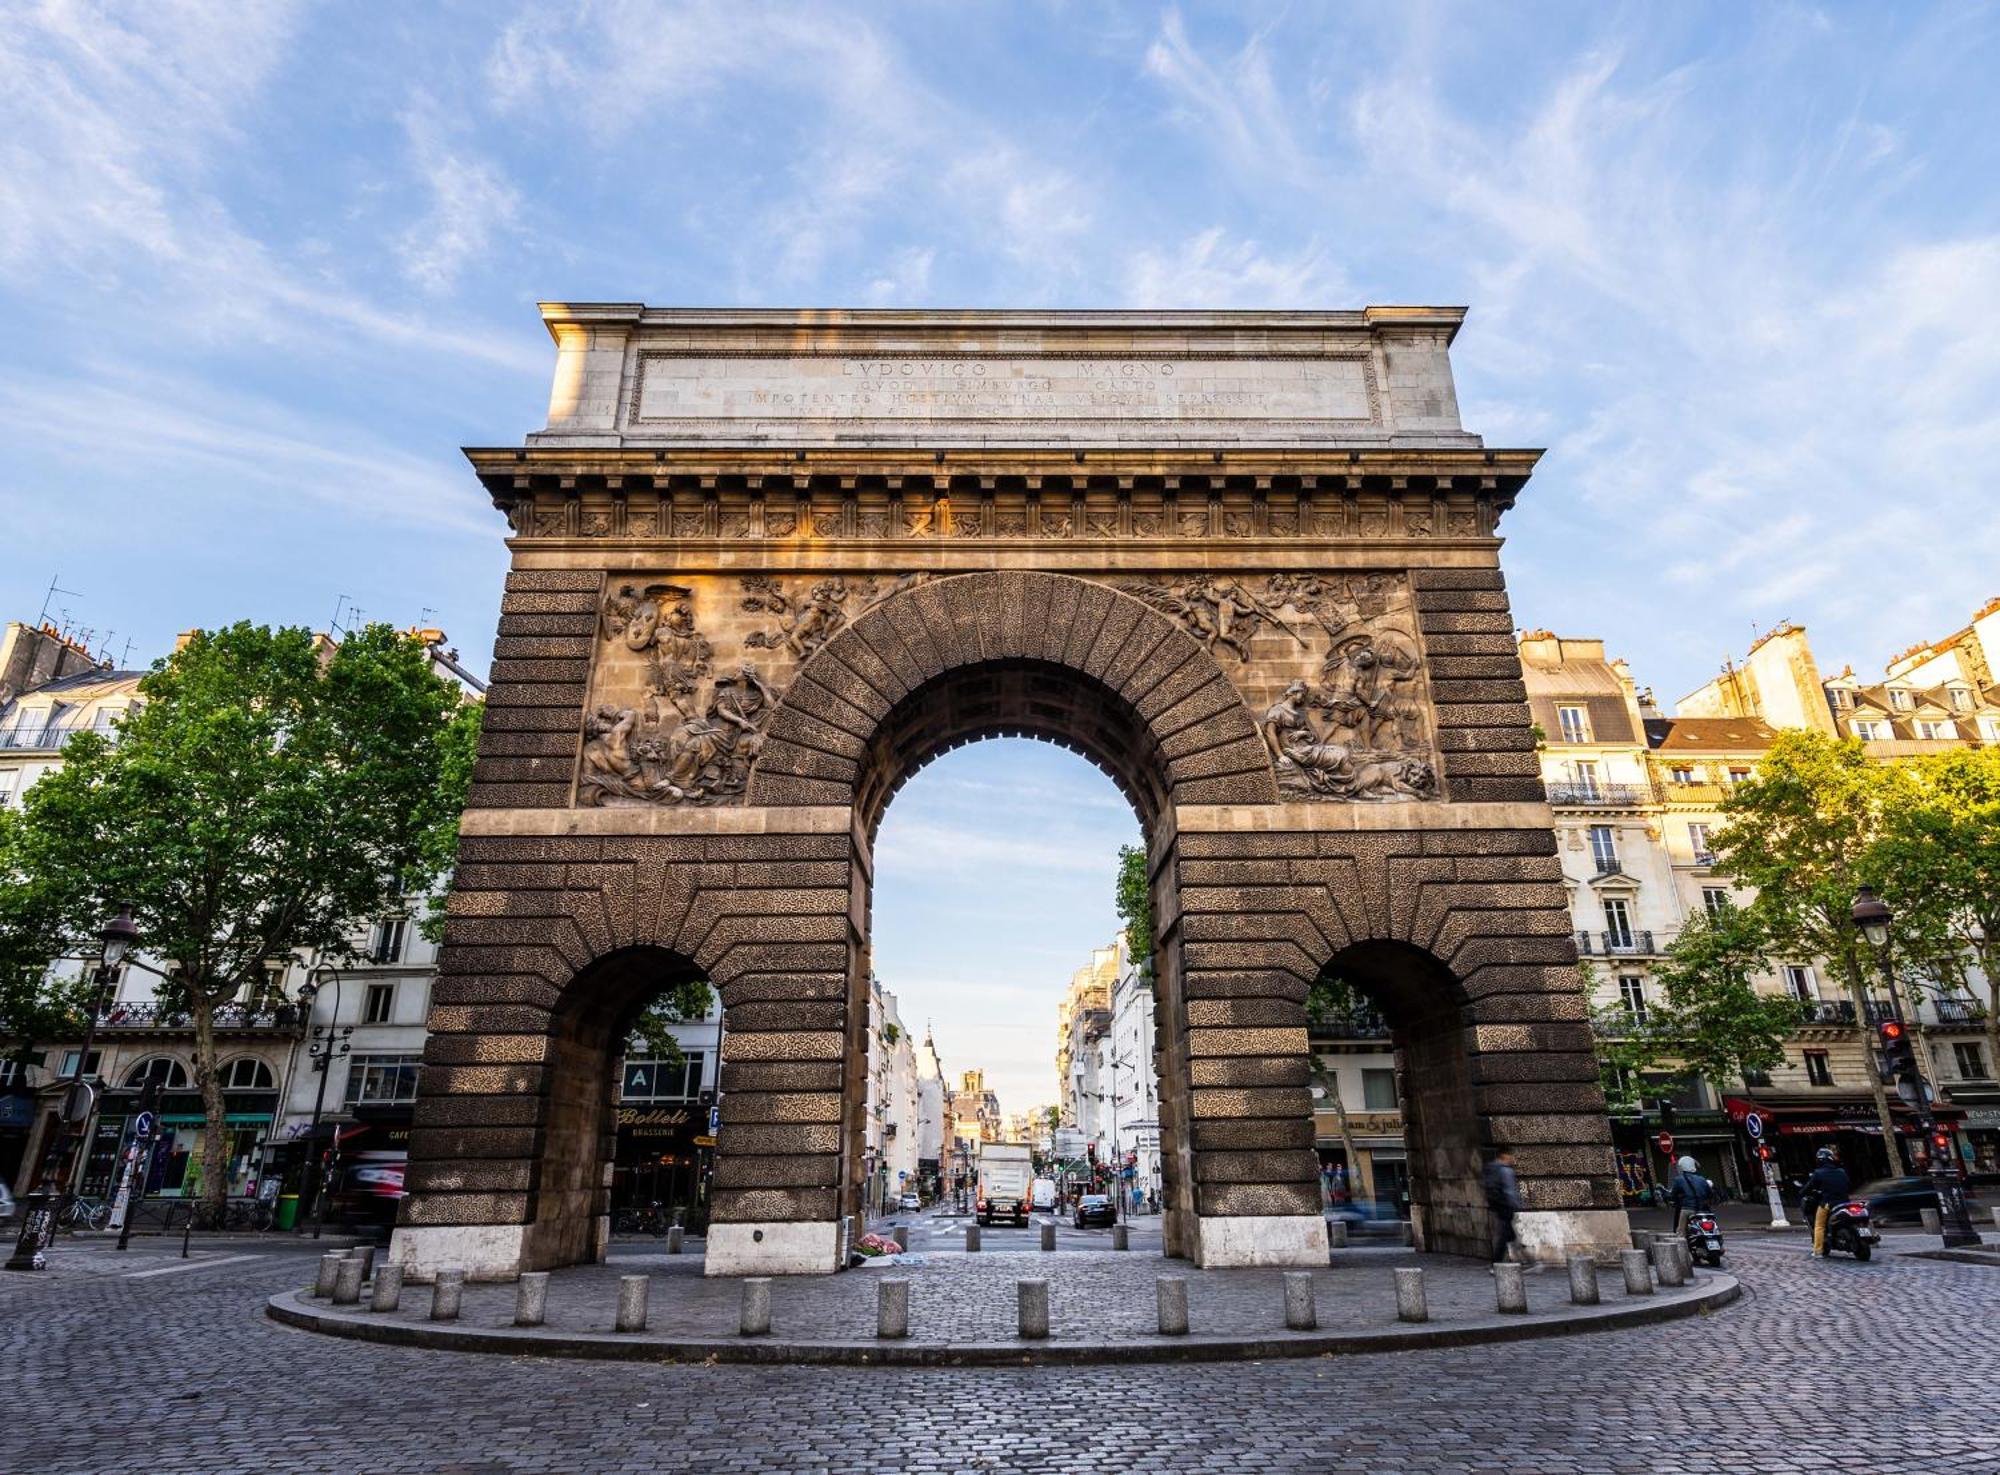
(1329, 1082)
(214, 1133)
(1989, 964)
(1860, 996)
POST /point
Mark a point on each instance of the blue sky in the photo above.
(264, 268)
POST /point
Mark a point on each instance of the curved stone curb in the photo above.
(294, 1308)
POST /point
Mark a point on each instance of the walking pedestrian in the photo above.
(1503, 1198)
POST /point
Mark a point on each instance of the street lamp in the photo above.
(40, 1215)
(1872, 919)
(328, 1042)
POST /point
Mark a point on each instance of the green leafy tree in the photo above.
(1333, 999)
(270, 789)
(37, 1002)
(1937, 864)
(1803, 834)
(1135, 905)
(1710, 1023)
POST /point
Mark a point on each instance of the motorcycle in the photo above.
(1850, 1230)
(1704, 1238)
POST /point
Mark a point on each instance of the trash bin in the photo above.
(288, 1211)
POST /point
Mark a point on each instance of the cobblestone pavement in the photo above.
(155, 1364)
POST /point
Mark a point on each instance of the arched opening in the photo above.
(161, 1070)
(590, 1033)
(1411, 1144)
(994, 943)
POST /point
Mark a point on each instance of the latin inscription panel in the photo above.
(941, 390)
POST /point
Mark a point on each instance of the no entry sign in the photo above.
(1666, 1141)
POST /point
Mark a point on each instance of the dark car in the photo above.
(1898, 1200)
(1367, 1216)
(1094, 1209)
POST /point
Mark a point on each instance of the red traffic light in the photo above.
(1892, 1029)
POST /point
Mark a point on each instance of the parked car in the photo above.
(1094, 1209)
(910, 1203)
(1897, 1200)
(1366, 1217)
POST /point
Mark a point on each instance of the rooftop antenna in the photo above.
(333, 624)
(125, 655)
(54, 589)
(424, 616)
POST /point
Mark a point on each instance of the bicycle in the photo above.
(86, 1213)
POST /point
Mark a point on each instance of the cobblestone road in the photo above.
(105, 1366)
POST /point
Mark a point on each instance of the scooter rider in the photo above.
(1828, 1185)
(1691, 1194)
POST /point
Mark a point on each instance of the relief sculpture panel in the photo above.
(688, 674)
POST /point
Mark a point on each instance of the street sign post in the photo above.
(1666, 1141)
(1753, 1124)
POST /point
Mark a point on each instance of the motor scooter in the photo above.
(1704, 1238)
(1850, 1230)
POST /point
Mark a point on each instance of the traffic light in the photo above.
(1666, 1114)
(1941, 1144)
(1896, 1058)
(1765, 1153)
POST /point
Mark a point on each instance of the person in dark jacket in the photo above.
(1503, 1197)
(1828, 1185)
(1691, 1194)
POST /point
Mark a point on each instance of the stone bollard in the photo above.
(388, 1292)
(1684, 1257)
(531, 1298)
(1048, 1236)
(1582, 1280)
(1336, 1234)
(676, 1237)
(1638, 1274)
(902, 1236)
(892, 1308)
(1032, 1297)
(347, 1282)
(1668, 1263)
(1171, 1293)
(447, 1294)
(1931, 1223)
(1121, 1237)
(632, 1292)
(1642, 1239)
(366, 1255)
(1996, 1216)
(755, 1320)
(1409, 1235)
(1300, 1313)
(1510, 1287)
(1410, 1295)
(971, 1239)
(329, 1268)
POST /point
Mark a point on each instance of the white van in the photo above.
(1043, 1194)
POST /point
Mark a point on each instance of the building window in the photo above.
(89, 1066)
(1961, 699)
(1378, 1090)
(1836, 697)
(1900, 700)
(10, 1071)
(1866, 730)
(375, 1079)
(1575, 724)
(1816, 1068)
(1970, 1061)
(1937, 729)
(1698, 842)
(1801, 984)
(380, 1006)
(1632, 994)
(1990, 727)
(161, 1070)
(1617, 924)
(1603, 848)
(663, 1080)
(1681, 775)
(1715, 900)
(8, 779)
(388, 944)
(248, 1073)
(1586, 780)
(1738, 776)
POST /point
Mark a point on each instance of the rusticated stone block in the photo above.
(1462, 599)
(1464, 622)
(1545, 1065)
(517, 796)
(1563, 1130)
(1489, 842)
(784, 1106)
(1286, 989)
(436, 1110)
(584, 625)
(472, 1142)
(1250, 1071)
(738, 1137)
(484, 1048)
(783, 1075)
(1453, 741)
(483, 1080)
(775, 1205)
(523, 581)
(470, 1175)
(1245, 1200)
(1493, 1038)
(1249, 1103)
(1540, 1096)
(542, 669)
(1249, 1136)
(817, 1170)
(1259, 1042)
(1239, 1013)
(789, 1014)
(1475, 668)
(1425, 580)
(1527, 1008)
(420, 1210)
(576, 603)
(1480, 790)
(1470, 645)
(784, 1045)
(1255, 1167)
(1502, 690)
(1493, 765)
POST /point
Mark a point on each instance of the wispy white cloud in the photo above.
(470, 200)
(1211, 270)
(1236, 101)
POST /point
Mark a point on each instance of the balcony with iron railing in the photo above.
(1358, 1024)
(1959, 1011)
(1706, 796)
(1635, 943)
(1600, 796)
(281, 1018)
(49, 737)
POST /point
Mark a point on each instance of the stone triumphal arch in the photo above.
(765, 564)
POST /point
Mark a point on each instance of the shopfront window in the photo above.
(663, 1080)
(1378, 1090)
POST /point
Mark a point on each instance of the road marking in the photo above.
(190, 1265)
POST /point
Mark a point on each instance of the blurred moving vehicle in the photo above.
(910, 1202)
(1898, 1200)
(368, 1190)
(1367, 1216)
(7, 1209)
(1094, 1210)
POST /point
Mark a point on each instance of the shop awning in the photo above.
(1851, 1111)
